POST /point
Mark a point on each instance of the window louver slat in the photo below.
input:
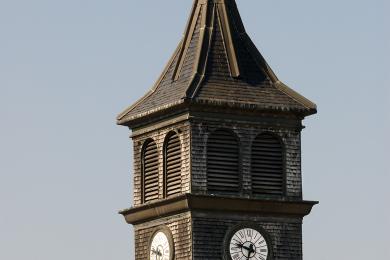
(174, 142)
(150, 162)
(222, 162)
(174, 163)
(150, 180)
(225, 163)
(228, 182)
(227, 155)
(174, 169)
(172, 166)
(173, 158)
(174, 183)
(267, 166)
(150, 172)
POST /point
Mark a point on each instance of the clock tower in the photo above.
(217, 150)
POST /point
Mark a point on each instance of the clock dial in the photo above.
(248, 244)
(160, 248)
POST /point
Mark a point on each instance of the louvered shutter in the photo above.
(150, 172)
(222, 163)
(172, 166)
(267, 166)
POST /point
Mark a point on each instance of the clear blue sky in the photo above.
(68, 67)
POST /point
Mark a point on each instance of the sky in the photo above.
(67, 68)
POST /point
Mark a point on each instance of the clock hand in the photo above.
(157, 253)
(242, 246)
(249, 249)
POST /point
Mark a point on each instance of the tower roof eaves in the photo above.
(121, 117)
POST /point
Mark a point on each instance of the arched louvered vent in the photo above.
(150, 172)
(222, 163)
(172, 165)
(267, 166)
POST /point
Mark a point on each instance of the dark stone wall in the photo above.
(179, 225)
(209, 233)
(289, 132)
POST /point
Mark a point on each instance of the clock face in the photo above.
(248, 244)
(160, 247)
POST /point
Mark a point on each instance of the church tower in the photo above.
(217, 150)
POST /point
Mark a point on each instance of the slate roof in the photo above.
(216, 63)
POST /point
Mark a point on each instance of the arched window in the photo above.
(222, 162)
(150, 187)
(172, 165)
(267, 166)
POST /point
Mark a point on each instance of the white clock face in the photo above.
(248, 244)
(160, 248)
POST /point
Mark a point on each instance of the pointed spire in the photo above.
(217, 63)
(210, 13)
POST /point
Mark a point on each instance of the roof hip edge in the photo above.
(155, 86)
(187, 37)
(296, 96)
(128, 120)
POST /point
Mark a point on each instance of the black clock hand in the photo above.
(249, 249)
(252, 250)
(156, 252)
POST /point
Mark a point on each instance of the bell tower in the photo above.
(217, 150)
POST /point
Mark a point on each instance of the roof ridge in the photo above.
(209, 12)
(216, 12)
